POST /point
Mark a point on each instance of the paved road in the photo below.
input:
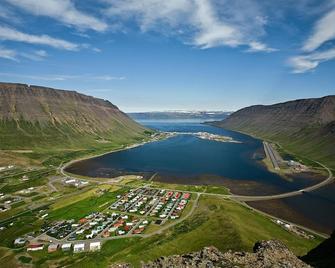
(270, 154)
(329, 180)
(314, 187)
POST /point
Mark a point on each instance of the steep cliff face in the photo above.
(33, 115)
(306, 126)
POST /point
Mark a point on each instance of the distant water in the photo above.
(187, 159)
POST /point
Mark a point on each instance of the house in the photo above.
(80, 231)
(83, 220)
(35, 247)
(53, 247)
(66, 247)
(94, 246)
(68, 181)
(106, 234)
(77, 248)
(19, 242)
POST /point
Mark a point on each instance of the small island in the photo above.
(215, 137)
(205, 136)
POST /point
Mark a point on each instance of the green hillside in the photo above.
(39, 123)
(305, 128)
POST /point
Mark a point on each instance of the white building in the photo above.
(77, 248)
(94, 246)
(66, 247)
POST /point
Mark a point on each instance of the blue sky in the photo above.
(178, 54)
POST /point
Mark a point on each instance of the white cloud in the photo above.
(257, 46)
(63, 11)
(36, 55)
(11, 34)
(324, 30)
(202, 23)
(305, 63)
(8, 54)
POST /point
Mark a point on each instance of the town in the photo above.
(131, 214)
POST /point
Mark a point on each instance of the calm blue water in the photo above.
(187, 159)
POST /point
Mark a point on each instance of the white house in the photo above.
(77, 248)
(94, 246)
(66, 247)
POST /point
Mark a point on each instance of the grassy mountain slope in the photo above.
(304, 127)
(39, 118)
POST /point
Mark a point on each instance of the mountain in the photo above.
(305, 127)
(180, 115)
(34, 116)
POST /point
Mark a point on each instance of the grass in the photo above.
(25, 259)
(44, 144)
(22, 225)
(193, 188)
(86, 206)
(307, 145)
(224, 224)
(36, 178)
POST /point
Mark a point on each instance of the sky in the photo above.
(153, 55)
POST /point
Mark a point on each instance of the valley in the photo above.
(106, 193)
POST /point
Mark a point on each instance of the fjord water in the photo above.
(187, 159)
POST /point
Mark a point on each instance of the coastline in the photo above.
(62, 167)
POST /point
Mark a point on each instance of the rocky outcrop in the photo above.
(267, 254)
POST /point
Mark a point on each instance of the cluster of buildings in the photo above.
(93, 225)
(75, 182)
(6, 167)
(297, 166)
(7, 201)
(170, 205)
(130, 215)
(294, 229)
(153, 202)
(60, 230)
(27, 191)
(76, 247)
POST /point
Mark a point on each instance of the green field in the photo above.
(86, 206)
(214, 189)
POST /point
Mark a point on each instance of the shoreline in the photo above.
(62, 166)
(241, 199)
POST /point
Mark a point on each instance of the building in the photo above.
(53, 247)
(66, 247)
(35, 247)
(95, 246)
(77, 248)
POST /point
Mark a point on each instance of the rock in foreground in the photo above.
(266, 254)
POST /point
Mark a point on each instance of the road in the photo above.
(270, 154)
(314, 187)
